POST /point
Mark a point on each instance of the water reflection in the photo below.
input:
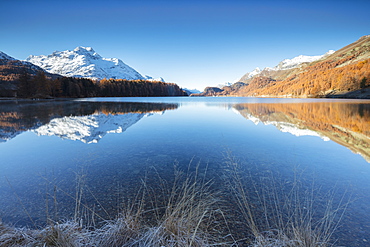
(42, 175)
(84, 121)
(348, 124)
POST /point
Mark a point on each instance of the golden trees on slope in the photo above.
(320, 79)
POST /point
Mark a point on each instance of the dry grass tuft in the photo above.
(187, 212)
(181, 219)
(285, 213)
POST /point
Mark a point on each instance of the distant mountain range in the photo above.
(191, 91)
(344, 73)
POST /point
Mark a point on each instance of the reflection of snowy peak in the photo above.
(88, 129)
(6, 136)
(294, 130)
(286, 127)
(85, 62)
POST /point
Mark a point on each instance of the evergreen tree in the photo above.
(25, 86)
(42, 85)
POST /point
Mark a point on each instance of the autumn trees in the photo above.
(141, 88)
(39, 86)
(319, 79)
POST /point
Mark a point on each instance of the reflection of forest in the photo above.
(17, 117)
(345, 123)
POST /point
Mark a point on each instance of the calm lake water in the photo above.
(112, 143)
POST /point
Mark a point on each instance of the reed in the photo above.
(186, 210)
(181, 218)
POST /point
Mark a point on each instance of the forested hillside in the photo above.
(10, 72)
(322, 79)
(20, 80)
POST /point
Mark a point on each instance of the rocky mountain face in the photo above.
(84, 62)
(344, 73)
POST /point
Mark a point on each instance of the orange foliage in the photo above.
(320, 79)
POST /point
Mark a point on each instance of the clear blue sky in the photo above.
(193, 43)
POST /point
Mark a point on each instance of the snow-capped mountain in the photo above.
(85, 62)
(253, 73)
(286, 64)
(89, 129)
(296, 61)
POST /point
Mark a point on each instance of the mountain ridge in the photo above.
(344, 73)
(284, 65)
(84, 62)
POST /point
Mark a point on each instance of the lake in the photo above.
(49, 149)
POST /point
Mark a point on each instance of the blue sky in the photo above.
(193, 43)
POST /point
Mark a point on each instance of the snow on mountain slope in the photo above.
(286, 64)
(149, 78)
(5, 56)
(89, 129)
(16, 65)
(85, 62)
(253, 73)
(296, 61)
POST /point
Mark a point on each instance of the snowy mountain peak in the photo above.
(251, 74)
(85, 62)
(256, 71)
(88, 52)
(84, 49)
